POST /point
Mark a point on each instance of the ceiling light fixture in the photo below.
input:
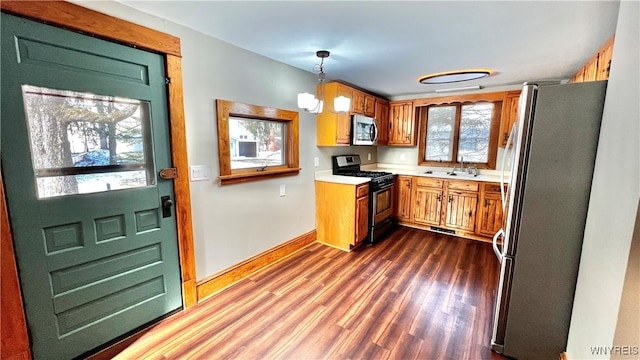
(308, 102)
(475, 87)
(454, 76)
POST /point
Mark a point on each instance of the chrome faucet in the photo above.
(461, 163)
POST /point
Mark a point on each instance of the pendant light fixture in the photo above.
(308, 102)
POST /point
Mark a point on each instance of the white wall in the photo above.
(628, 326)
(614, 199)
(234, 222)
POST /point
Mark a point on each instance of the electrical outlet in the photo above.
(283, 190)
(316, 161)
(369, 156)
(402, 157)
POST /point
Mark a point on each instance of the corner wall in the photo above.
(614, 200)
(232, 223)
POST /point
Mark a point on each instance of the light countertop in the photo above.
(484, 175)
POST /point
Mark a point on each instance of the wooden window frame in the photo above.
(422, 106)
(226, 109)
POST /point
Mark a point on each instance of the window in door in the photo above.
(85, 143)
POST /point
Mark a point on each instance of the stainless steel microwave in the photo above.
(363, 130)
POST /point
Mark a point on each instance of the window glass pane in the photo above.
(440, 123)
(256, 143)
(475, 126)
(84, 143)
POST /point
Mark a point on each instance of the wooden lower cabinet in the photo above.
(402, 199)
(362, 218)
(449, 205)
(342, 210)
(490, 215)
(461, 210)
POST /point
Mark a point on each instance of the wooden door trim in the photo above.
(15, 341)
(77, 18)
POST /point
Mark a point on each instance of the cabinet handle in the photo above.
(505, 136)
(439, 197)
(450, 198)
(486, 202)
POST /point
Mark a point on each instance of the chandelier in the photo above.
(308, 102)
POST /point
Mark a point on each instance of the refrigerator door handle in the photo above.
(504, 159)
(495, 245)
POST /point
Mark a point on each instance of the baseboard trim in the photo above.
(217, 282)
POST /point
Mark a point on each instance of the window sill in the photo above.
(258, 175)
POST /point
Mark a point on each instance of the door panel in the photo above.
(428, 205)
(93, 266)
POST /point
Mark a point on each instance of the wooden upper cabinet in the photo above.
(369, 105)
(597, 67)
(509, 115)
(382, 120)
(591, 69)
(363, 104)
(333, 129)
(357, 104)
(604, 61)
(401, 124)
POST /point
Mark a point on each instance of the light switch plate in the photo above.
(316, 161)
(283, 190)
(369, 156)
(402, 157)
(199, 172)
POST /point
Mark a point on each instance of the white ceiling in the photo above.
(384, 46)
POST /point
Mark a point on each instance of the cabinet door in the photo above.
(489, 214)
(509, 115)
(578, 77)
(358, 103)
(401, 123)
(591, 69)
(403, 199)
(461, 210)
(382, 121)
(362, 219)
(369, 105)
(343, 121)
(427, 206)
(604, 62)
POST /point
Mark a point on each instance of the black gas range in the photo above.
(349, 165)
(380, 193)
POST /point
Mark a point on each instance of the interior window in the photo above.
(256, 142)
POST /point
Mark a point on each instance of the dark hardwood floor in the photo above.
(415, 295)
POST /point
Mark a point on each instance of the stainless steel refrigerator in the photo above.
(551, 154)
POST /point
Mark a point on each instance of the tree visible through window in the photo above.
(456, 132)
(256, 143)
(84, 143)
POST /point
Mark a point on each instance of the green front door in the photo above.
(84, 135)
